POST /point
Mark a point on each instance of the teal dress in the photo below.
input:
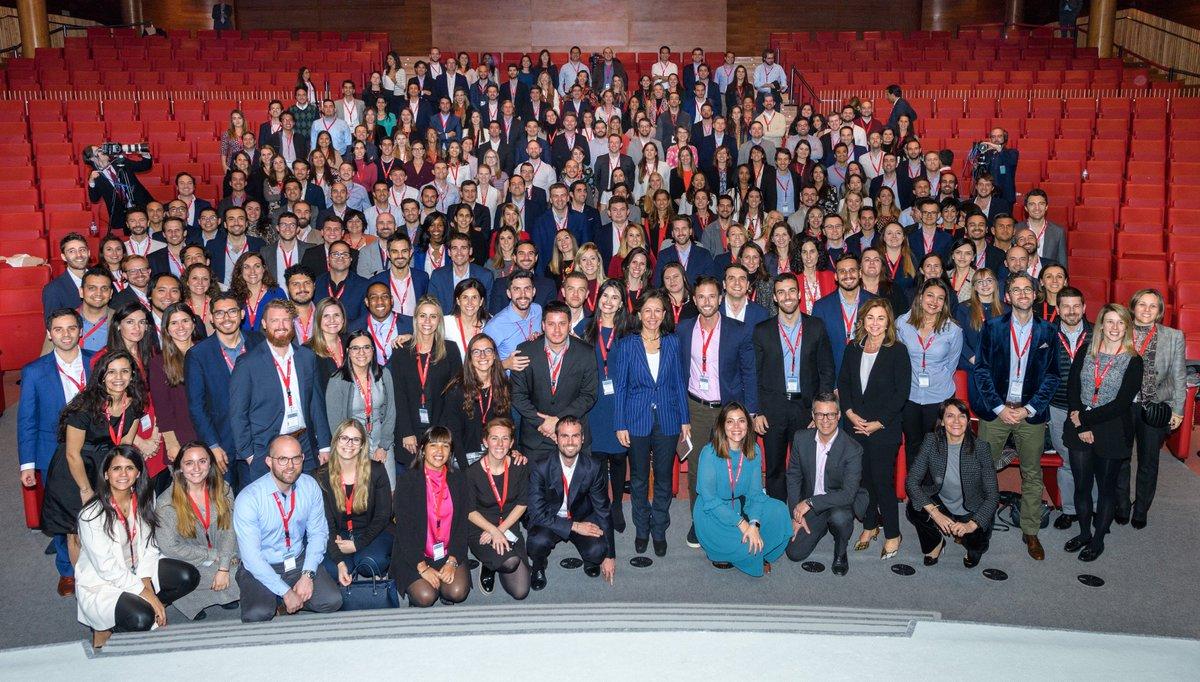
(718, 511)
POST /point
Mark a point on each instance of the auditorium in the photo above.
(863, 331)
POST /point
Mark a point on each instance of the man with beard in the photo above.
(373, 257)
(516, 323)
(63, 291)
(838, 310)
(525, 257)
(136, 270)
(274, 391)
(286, 252)
(317, 259)
(300, 284)
(340, 281)
(228, 246)
(165, 289)
(170, 257)
(137, 224)
(387, 328)
(406, 285)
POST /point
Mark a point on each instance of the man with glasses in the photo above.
(282, 532)
(1016, 375)
(822, 484)
(136, 270)
(341, 282)
(927, 238)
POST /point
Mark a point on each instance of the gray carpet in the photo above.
(1151, 583)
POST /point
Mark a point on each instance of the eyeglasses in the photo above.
(137, 271)
(289, 461)
(482, 352)
(825, 415)
(230, 312)
(350, 440)
(1021, 290)
(359, 349)
(339, 254)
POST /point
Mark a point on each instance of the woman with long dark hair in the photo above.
(255, 287)
(474, 397)
(934, 343)
(607, 325)
(362, 391)
(164, 380)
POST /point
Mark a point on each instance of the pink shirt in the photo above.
(439, 510)
(697, 369)
(822, 457)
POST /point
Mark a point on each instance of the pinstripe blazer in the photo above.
(637, 391)
(981, 493)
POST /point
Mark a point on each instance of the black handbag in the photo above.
(1156, 414)
(366, 594)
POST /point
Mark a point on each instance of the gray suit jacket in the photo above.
(370, 260)
(928, 470)
(1056, 242)
(338, 396)
(843, 471)
(1170, 368)
(270, 256)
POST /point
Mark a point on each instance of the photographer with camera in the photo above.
(994, 157)
(114, 177)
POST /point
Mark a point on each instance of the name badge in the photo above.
(793, 385)
(510, 536)
(473, 457)
(923, 380)
(1014, 392)
(292, 421)
(423, 415)
(703, 383)
(608, 386)
(439, 551)
(145, 422)
(289, 564)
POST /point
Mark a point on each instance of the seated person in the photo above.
(358, 507)
(952, 488)
(195, 524)
(568, 502)
(282, 532)
(499, 488)
(822, 484)
(122, 582)
(737, 523)
(431, 506)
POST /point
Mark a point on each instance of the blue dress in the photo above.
(716, 516)
(601, 417)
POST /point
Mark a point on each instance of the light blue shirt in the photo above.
(724, 76)
(791, 359)
(567, 74)
(765, 75)
(508, 330)
(338, 130)
(784, 201)
(259, 528)
(98, 338)
(1016, 364)
(940, 360)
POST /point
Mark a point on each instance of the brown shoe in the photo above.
(1035, 547)
(66, 586)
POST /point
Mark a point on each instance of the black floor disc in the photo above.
(641, 561)
(571, 563)
(1091, 580)
(994, 574)
(813, 566)
(903, 569)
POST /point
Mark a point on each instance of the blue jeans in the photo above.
(651, 520)
(373, 559)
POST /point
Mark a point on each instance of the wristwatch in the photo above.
(308, 574)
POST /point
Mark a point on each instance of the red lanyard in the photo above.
(462, 332)
(733, 481)
(527, 334)
(483, 411)
(82, 339)
(286, 377)
(228, 360)
(232, 258)
(928, 242)
(555, 368)
(176, 261)
(287, 519)
(1062, 338)
(385, 346)
(925, 346)
(1146, 342)
(1047, 314)
(341, 288)
(339, 357)
(77, 383)
(1022, 350)
(593, 294)
(605, 345)
(704, 344)
(423, 371)
(676, 311)
(400, 293)
(848, 320)
(252, 310)
(958, 287)
(116, 434)
(893, 268)
(501, 498)
(205, 519)
(130, 529)
(1098, 379)
(366, 393)
(350, 504)
(305, 329)
(792, 347)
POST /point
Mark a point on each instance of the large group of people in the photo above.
(445, 318)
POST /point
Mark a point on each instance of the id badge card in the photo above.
(923, 380)
(608, 386)
(1014, 392)
(439, 551)
(291, 420)
(510, 536)
(144, 422)
(289, 563)
(703, 383)
(423, 415)
(793, 385)
(473, 457)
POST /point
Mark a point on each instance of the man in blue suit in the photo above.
(274, 391)
(444, 279)
(230, 243)
(928, 238)
(1003, 165)
(839, 309)
(447, 126)
(406, 284)
(559, 217)
(341, 282)
(63, 291)
(47, 385)
(1015, 376)
(717, 354)
(206, 368)
(696, 259)
(736, 304)
(384, 325)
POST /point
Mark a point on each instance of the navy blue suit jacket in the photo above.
(755, 313)
(256, 403)
(700, 262)
(216, 252)
(404, 324)
(734, 361)
(60, 292)
(420, 283)
(990, 376)
(941, 245)
(828, 309)
(1003, 167)
(587, 499)
(200, 205)
(315, 196)
(41, 402)
(353, 295)
(441, 283)
(640, 392)
(453, 125)
(544, 228)
(206, 376)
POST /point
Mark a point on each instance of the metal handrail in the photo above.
(794, 74)
(63, 28)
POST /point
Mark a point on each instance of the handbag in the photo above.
(1008, 511)
(1156, 414)
(371, 593)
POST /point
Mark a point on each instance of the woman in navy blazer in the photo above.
(652, 413)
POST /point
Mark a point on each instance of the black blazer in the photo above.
(588, 500)
(578, 381)
(603, 173)
(816, 363)
(467, 430)
(1111, 423)
(367, 525)
(403, 366)
(316, 258)
(928, 469)
(885, 394)
(408, 505)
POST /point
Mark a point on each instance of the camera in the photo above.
(980, 157)
(117, 151)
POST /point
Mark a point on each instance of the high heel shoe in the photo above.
(861, 544)
(932, 560)
(885, 554)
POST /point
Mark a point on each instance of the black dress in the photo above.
(483, 500)
(410, 391)
(467, 430)
(61, 505)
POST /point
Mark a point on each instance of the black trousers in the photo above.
(930, 535)
(1086, 468)
(917, 421)
(879, 478)
(782, 425)
(542, 541)
(837, 521)
(1149, 441)
(176, 579)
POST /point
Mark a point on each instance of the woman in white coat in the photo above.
(122, 582)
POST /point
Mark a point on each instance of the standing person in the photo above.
(165, 380)
(274, 391)
(952, 488)
(420, 370)
(652, 415)
(124, 582)
(1015, 376)
(362, 391)
(195, 525)
(1164, 389)
(499, 489)
(934, 344)
(984, 304)
(254, 287)
(432, 501)
(63, 291)
(518, 322)
(1103, 386)
(605, 327)
(717, 353)
(793, 362)
(473, 398)
(838, 310)
(739, 524)
(1074, 334)
(558, 379)
(873, 385)
(358, 506)
(328, 342)
(281, 551)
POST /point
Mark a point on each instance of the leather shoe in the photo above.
(591, 570)
(1121, 518)
(692, 540)
(66, 586)
(1138, 523)
(618, 518)
(538, 580)
(1091, 553)
(841, 565)
(200, 616)
(1035, 547)
(660, 548)
(971, 560)
(1065, 521)
(640, 544)
(722, 565)
(1076, 543)
(487, 579)
(932, 560)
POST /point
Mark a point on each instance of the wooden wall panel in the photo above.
(947, 15)
(180, 14)
(749, 23)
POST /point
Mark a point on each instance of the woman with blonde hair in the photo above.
(562, 261)
(231, 139)
(421, 368)
(590, 262)
(358, 506)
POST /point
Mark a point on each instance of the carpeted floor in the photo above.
(1151, 587)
